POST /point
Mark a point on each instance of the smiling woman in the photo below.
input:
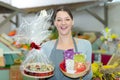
(63, 21)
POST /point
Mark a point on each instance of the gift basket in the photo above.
(33, 31)
(37, 65)
(74, 64)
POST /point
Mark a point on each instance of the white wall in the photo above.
(5, 28)
(114, 17)
(36, 3)
(86, 22)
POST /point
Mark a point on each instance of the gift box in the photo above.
(74, 64)
(2, 62)
(15, 73)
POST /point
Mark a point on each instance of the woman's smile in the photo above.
(63, 23)
(63, 28)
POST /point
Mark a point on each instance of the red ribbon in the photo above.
(33, 45)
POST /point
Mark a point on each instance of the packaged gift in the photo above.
(79, 63)
(2, 61)
(69, 62)
(37, 64)
(33, 31)
(74, 64)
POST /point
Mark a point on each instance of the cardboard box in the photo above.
(2, 61)
(15, 73)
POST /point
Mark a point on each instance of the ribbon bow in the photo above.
(33, 45)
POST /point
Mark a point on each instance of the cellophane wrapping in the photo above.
(36, 57)
(34, 27)
(33, 31)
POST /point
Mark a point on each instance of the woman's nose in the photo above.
(63, 22)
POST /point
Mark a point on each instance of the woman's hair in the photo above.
(61, 8)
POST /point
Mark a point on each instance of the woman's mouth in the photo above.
(63, 28)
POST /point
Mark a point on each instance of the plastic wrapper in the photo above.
(34, 28)
(33, 31)
(37, 64)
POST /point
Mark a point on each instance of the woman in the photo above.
(63, 21)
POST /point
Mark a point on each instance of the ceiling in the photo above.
(7, 8)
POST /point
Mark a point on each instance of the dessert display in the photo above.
(38, 70)
(74, 64)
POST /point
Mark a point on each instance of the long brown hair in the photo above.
(61, 8)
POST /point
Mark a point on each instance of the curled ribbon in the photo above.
(33, 45)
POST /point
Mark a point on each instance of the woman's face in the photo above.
(63, 23)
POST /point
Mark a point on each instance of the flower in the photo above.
(114, 36)
(96, 70)
(107, 35)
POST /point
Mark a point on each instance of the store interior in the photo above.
(94, 20)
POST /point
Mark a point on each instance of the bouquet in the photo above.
(110, 40)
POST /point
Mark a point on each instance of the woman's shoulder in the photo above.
(48, 46)
(78, 40)
(50, 42)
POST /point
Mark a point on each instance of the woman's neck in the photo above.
(65, 39)
(65, 42)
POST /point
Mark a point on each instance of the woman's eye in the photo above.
(58, 20)
(67, 19)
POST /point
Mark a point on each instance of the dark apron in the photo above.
(57, 57)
